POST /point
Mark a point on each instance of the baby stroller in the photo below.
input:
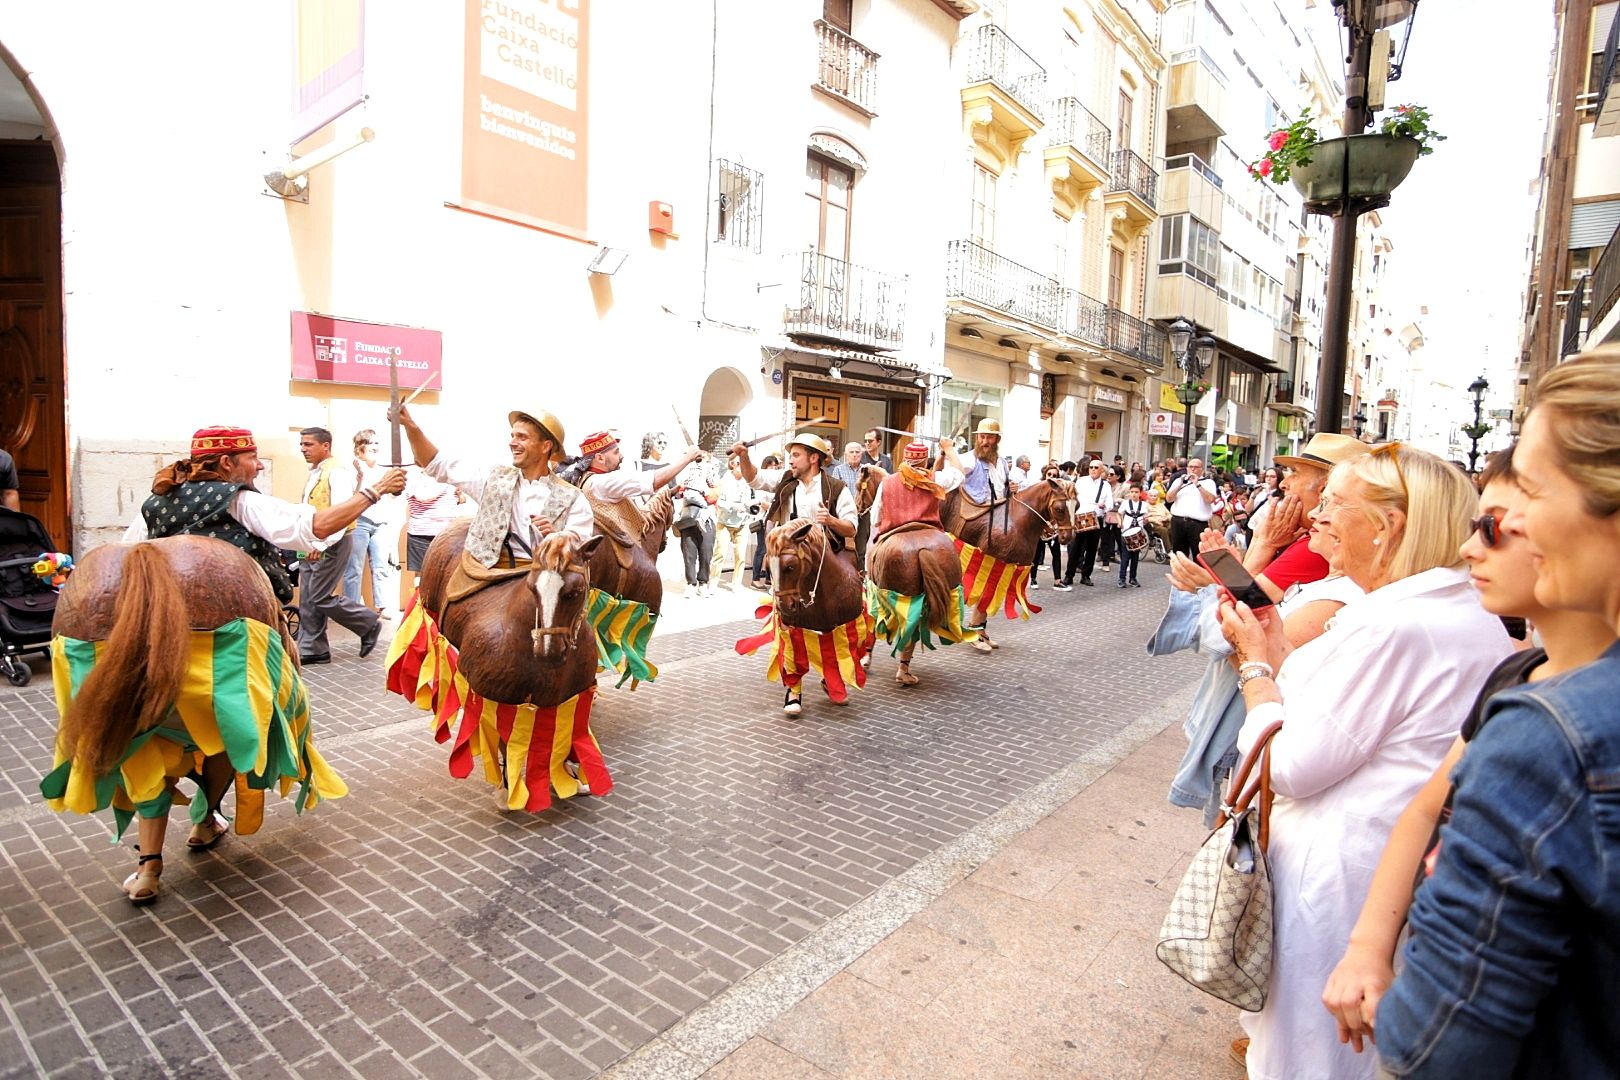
(27, 601)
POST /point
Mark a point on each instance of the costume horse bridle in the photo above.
(539, 632)
(793, 594)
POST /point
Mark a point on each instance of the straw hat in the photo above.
(1324, 451)
(811, 441)
(550, 427)
(988, 426)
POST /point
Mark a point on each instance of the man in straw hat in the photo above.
(519, 504)
(985, 482)
(813, 492)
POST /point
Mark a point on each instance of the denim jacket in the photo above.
(1513, 964)
(1217, 709)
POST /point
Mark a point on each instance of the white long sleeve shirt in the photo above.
(808, 495)
(284, 524)
(619, 484)
(1094, 494)
(533, 495)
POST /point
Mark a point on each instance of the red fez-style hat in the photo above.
(915, 451)
(222, 440)
(597, 443)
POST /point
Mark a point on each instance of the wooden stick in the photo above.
(428, 382)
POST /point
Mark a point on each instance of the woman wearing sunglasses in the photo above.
(1367, 710)
(1503, 571)
(1511, 967)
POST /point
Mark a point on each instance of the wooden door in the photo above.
(32, 389)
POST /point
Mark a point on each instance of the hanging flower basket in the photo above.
(1377, 164)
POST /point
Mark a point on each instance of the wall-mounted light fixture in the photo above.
(291, 181)
(607, 261)
(968, 331)
(1008, 343)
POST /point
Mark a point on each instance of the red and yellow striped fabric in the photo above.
(531, 742)
(836, 655)
(990, 585)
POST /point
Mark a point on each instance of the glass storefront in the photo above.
(955, 398)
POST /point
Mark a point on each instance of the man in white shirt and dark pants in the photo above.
(1094, 495)
(319, 599)
(1192, 503)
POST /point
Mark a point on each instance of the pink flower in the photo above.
(1265, 166)
(1278, 138)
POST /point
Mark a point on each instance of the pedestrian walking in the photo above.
(319, 601)
(370, 530)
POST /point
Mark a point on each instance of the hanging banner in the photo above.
(329, 58)
(332, 350)
(523, 112)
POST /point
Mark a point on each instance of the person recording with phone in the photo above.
(1367, 710)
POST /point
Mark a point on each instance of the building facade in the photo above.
(1574, 279)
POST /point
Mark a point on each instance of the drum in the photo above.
(1135, 539)
(1086, 521)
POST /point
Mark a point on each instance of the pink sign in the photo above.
(330, 350)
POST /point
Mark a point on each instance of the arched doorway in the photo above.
(33, 394)
(725, 395)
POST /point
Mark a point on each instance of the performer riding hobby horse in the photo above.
(496, 642)
(170, 660)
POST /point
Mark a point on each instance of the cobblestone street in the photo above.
(414, 929)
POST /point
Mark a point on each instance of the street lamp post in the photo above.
(1193, 356)
(1478, 429)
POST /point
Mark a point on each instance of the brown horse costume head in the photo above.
(815, 587)
(1010, 530)
(143, 600)
(627, 566)
(524, 639)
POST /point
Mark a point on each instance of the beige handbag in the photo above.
(1217, 934)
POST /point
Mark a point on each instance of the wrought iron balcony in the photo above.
(1134, 175)
(1072, 124)
(1085, 319)
(994, 57)
(1607, 114)
(976, 273)
(1132, 337)
(839, 301)
(1282, 391)
(1574, 317)
(1606, 275)
(848, 69)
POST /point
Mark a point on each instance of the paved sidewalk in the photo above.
(1038, 963)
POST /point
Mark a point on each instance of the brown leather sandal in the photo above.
(904, 677)
(142, 886)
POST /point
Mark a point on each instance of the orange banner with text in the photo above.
(523, 112)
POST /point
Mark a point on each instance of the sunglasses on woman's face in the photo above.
(1489, 527)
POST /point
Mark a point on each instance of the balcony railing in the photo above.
(1196, 164)
(1133, 174)
(976, 273)
(848, 69)
(1195, 53)
(1607, 96)
(1085, 319)
(1282, 393)
(1072, 124)
(844, 302)
(1574, 313)
(994, 57)
(1606, 276)
(1135, 338)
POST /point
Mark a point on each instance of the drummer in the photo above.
(1133, 535)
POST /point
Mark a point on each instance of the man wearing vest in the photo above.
(985, 482)
(518, 504)
(321, 576)
(804, 489)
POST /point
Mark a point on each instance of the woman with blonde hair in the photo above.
(1367, 710)
(1513, 963)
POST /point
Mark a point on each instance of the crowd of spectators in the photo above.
(1436, 780)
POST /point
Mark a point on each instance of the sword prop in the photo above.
(816, 422)
(685, 434)
(393, 410)
(418, 391)
(908, 434)
(967, 418)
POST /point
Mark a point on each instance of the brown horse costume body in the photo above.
(510, 649)
(1009, 530)
(815, 587)
(627, 565)
(159, 625)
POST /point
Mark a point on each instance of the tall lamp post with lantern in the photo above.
(1478, 429)
(1194, 356)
